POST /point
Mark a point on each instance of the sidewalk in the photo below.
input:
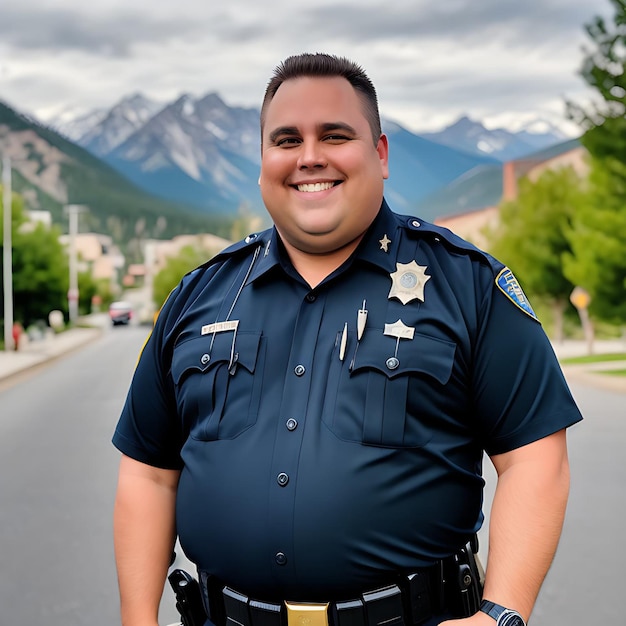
(578, 347)
(594, 374)
(34, 353)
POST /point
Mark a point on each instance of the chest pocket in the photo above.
(374, 404)
(218, 386)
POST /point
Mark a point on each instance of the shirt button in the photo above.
(311, 297)
(280, 558)
(299, 370)
(282, 479)
(292, 424)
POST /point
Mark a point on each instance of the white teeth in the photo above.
(312, 187)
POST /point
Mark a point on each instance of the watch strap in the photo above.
(496, 611)
(492, 609)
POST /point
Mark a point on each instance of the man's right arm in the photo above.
(144, 535)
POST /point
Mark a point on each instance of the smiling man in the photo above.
(322, 171)
(310, 413)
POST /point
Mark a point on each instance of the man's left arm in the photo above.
(525, 524)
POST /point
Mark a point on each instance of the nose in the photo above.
(311, 155)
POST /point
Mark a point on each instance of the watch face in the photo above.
(511, 619)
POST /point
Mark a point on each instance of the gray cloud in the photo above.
(116, 31)
(489, 55)
(65, 29)
(534, 21)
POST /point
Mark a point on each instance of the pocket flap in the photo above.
(423, 354)
(202, 353)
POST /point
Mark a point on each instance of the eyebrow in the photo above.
(324, 128)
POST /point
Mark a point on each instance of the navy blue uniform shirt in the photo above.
(314, 463)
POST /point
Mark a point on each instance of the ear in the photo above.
(383, 154)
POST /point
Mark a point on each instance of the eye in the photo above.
(336, 138)
(287, 141)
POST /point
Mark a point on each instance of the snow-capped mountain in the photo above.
(504, 145)
(195, 150)
(120, 122)
(206, 153)
(75, 124)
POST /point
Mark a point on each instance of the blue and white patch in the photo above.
(508, 285)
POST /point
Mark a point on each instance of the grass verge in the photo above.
(594, 358)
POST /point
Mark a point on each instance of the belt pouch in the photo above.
(420, 605)
(349, 613)
(212, 597)
(384, 606)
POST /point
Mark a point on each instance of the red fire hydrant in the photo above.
(17, 334)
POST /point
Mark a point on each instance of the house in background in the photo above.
(471, 203)
(97, 254)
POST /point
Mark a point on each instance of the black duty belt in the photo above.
(451, 585)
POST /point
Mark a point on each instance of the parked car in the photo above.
(120, 313)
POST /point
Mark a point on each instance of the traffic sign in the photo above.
(580, 298)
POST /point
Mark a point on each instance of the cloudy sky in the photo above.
(496, 60)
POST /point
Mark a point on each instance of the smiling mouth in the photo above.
(313, 187)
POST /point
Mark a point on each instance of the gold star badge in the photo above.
(384, 243)
(407, 282)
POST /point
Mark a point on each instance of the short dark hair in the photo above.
(321, 65)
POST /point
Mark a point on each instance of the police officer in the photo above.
(310, 413)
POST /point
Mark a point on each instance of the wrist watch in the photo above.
(502, 615)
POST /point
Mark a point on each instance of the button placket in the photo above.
(288, 441)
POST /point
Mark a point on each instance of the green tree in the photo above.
(87, 289)
(531, 236)
(40, 274)
(40, 267)
(603, 69)
(599, 236)
(597, 260)
(175, 268)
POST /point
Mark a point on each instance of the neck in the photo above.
(313, 267)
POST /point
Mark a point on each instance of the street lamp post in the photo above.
(7, 254)
(72, 295)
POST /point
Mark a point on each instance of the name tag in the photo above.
(219, 327)
(399, 330)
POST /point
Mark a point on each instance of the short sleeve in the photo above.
(520, 393)
(148, 429)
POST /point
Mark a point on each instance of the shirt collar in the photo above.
(378, 246)
(269, 254)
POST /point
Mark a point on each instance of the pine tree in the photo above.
(604, 70)
(598, 237)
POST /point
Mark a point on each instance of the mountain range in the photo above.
(50, 172)
(149, 169)
(205, 153)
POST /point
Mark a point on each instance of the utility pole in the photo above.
(7, 254)
(72, 295)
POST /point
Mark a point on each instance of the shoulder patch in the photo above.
(508, 285)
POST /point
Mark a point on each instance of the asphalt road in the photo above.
(58, 473)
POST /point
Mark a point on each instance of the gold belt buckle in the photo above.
(307, 614)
